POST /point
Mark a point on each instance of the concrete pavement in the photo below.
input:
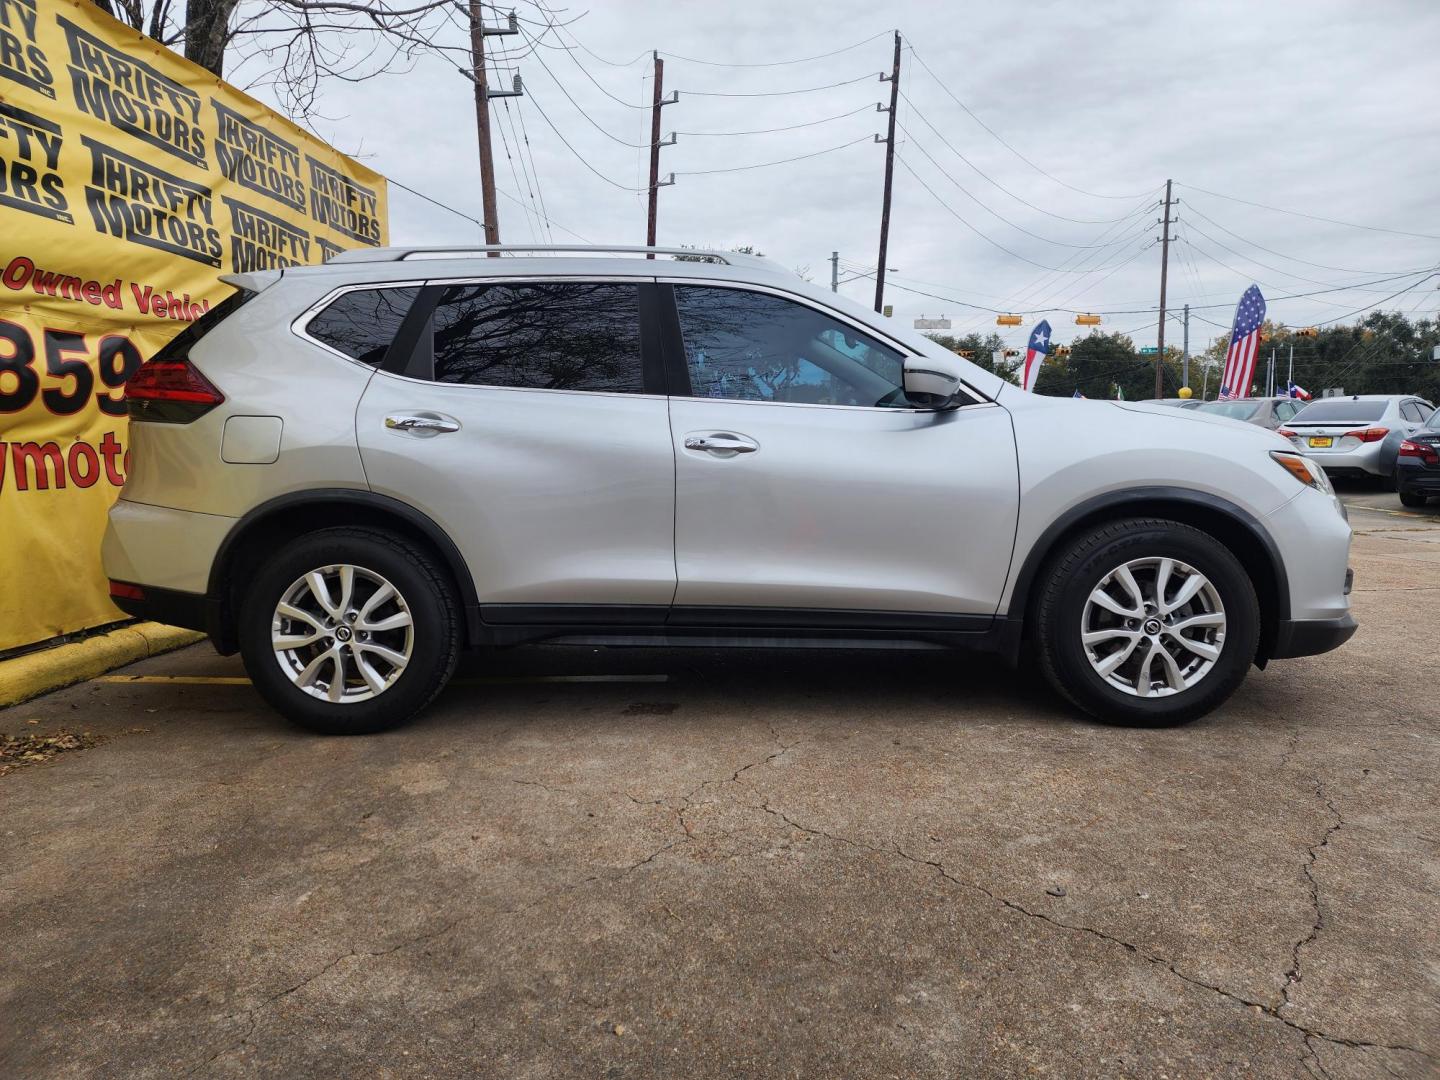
(734, 864)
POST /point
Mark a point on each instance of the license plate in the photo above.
(1322, 440)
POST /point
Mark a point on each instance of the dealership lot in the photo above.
(736, 864)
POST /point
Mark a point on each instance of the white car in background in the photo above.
(1357, 436)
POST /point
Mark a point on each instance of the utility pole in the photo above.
(478, 33)
(889, 142)
(834, 271)
(1185, 352)
(1289, 382)
(1164, 272)
(657, 102)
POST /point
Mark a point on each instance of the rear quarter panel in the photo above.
(263, 369)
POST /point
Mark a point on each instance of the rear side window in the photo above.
(1340, 411)
(183, 342)
(363, 322)
(545, 336)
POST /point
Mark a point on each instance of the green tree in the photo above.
(981, 350)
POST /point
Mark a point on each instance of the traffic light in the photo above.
(1062, 350)
(1007, 320)
(1012, 352)
(1087, 320)
(968, 354)
(1307, 331)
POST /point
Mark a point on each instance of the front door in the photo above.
(528, 432)
(804, 481)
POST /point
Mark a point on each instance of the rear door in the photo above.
(526, 421)
(806, 485)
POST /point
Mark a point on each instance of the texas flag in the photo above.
(1298, 391)
(1035, 355)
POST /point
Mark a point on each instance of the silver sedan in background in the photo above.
(1262, 412)
(1357, 436)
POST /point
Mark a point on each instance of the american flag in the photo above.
(1244, 345)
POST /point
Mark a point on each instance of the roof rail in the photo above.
(404, 254)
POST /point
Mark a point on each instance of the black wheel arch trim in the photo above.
(358, 497)
(1120, 500)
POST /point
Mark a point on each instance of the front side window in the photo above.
(363, 322)
(747, 346)
(542, 336)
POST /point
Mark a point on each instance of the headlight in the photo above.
(1304, 470)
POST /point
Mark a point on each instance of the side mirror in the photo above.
(931, 382)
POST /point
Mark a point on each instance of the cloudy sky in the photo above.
(1320, 107)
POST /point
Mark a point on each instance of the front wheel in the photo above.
(349, 631)
(1146, 621)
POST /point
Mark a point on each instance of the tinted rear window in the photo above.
(1340, 411)
(364, 322)
(182, 342)
(545, 336)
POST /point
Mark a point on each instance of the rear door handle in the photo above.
(424, 423)
(721, 443)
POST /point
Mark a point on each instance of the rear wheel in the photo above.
(1412, 499)
(1146, 621)
(349, 631)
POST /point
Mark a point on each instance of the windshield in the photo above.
(1339, 411)
(1235, 410)
(1433, 424)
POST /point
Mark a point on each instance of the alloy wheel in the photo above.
(1153, 627)
(342, 633)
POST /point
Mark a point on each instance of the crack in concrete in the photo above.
(252, 1016)
(1271, 1011)
(1293, 976)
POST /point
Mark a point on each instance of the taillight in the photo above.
(1369, 434)
(1424, 451)
(1285, 431)
(170, 391)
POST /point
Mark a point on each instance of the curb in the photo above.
(36, 673)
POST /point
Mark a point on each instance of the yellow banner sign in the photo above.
(130, 179)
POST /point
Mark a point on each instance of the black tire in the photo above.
(1412, 499)
(435, 625)
(1067, 582)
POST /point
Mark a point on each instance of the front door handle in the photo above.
(422, 423)
(721, 443)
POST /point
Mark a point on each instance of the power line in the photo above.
(776, 93)
(778, 63)
(548, 220)
(1257, 262)
(534, 171)
(1313, 217)
(1269, 285)
(767, 164)
(1292, 258)
(994, 213)
(532, 222)
(434, 202)
(1368, 307)
(578, 156)
(593, 122)
(972, 228)
(790, 127)
(995, 183)
(998, 138)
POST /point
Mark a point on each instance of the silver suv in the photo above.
(350, 472)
